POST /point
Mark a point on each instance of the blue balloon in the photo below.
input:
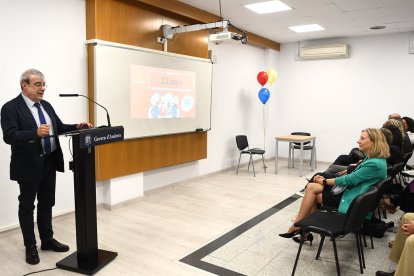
(264, 95)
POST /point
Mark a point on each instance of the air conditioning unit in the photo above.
(324, 52)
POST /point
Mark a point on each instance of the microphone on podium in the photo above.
(78, 95)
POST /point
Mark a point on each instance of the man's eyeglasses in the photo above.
(40, 85)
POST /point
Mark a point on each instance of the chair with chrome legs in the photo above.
(306, 146)
(243, 146)
(336, 225)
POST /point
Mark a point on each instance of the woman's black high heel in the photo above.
(289, 235)
(308, 237)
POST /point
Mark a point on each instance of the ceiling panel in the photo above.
(341, 18)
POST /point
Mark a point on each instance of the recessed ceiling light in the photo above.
(307, 28)
(268, 7)
(377, 27)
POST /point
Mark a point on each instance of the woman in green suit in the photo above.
(369, 172)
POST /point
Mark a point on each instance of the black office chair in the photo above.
(243, 146)
(406, 177)
(394, 186)
(381, 188)
(396, 176)
(336, 225)
(306, 146)
(407, 157)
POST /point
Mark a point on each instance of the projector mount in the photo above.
(169, 31)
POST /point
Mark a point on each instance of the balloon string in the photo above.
(264, 129)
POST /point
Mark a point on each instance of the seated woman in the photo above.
(407, 147)
(395, 144)
(371, 170)
(408, 125)
(404, 197)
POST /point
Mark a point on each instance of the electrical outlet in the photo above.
(161, 40)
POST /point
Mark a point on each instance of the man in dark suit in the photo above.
(30, 126)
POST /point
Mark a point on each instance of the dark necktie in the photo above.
(42, 119)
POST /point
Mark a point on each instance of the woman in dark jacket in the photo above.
(395, 142)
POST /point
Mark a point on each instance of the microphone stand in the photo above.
(77, 95)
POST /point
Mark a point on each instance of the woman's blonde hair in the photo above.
(397, 123)
(380, 148)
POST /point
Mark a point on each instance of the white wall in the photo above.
(236, 109)
(47, 35)
(332, 99)
(336, 99)
(40, 35)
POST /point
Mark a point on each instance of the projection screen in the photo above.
(150, 92)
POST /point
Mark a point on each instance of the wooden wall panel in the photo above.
(139, 155)
(138, 24)
(91, 84)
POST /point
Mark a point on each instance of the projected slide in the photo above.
(159, 93)
(151, 92)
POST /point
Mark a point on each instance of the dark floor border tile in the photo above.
(195, 258)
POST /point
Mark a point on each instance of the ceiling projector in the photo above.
(225, 37)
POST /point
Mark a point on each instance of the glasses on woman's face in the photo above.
(40, 84)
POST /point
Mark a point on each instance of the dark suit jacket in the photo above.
(20, 131)
(408, 147)
(396, 155)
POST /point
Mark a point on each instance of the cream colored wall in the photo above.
(333, 99)
(48, 35)
(336, 99)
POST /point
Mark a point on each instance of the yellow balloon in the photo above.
(272, 75)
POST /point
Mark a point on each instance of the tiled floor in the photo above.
(223, 224)
(254, 248)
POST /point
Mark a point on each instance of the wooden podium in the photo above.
(88, 259)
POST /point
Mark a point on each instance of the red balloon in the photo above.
(262, 78)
